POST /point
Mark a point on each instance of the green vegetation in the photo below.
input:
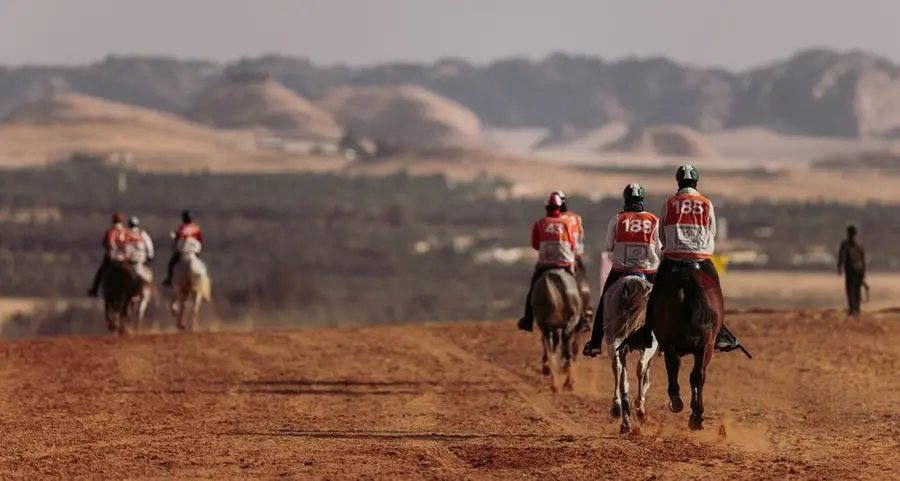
(329, 248)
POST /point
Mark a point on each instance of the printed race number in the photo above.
(687, 207)
(637, 226)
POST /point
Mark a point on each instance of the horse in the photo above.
(557, 306)
(584, 289)
(190, 279)
(624, 309)
(147, 291)
(685, 313)
(120, 284)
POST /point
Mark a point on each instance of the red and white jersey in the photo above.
(633, 240)
(577, 229)
(554, 240)
(689, 226)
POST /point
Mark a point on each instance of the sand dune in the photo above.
(262, 103)
(405, 115)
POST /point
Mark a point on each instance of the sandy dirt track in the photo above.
(466, 401)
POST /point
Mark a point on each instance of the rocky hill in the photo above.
(815, 92)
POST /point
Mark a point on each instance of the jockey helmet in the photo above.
(687, 175)
(554, 202)
(133, 221)
(186, 216)
(118, 218)
(633, 192)
(562, 195)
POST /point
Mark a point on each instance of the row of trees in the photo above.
(332, 247)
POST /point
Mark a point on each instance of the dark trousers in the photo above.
(538, 270)
(96, 284)
(171, 265)
(853, 286)
(614, 275)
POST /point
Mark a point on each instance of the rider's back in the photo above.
(689, 226)
(554, 240)
(635, 241)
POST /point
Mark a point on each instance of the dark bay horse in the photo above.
(120, 285)
(685, 312)
(556, 303)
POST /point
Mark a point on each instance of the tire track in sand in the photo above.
(436, 450)
(449, 354)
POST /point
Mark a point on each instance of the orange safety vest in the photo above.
(554, 240)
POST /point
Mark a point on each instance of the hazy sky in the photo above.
(731, 33)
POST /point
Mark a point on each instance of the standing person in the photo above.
(852, 263)
(554, 240)
(632, 238)
(187, 229)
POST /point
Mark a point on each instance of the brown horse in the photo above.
(584, 290)
(557, 308)
(120, 285)
(685, 312)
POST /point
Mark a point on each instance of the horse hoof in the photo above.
(695, 423)
(616, 411)
(569, 385)
(545, 370)
(641, 415)
(676, 405)
(624, 429)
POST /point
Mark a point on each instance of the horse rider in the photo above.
(552, 236)
(577, 229)
(688, 233)
(115, 242)
(632, 238)
(142, 246)
(187, 230)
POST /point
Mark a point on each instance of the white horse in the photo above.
(137, 256)
(624, 308)
(190, 279)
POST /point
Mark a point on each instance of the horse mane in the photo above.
(626, 305)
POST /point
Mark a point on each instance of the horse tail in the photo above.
(697, 310)
(204, 287)
(626, 305)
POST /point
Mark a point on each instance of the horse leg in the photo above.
(547, 346)
(698, 379)
(569, 384)
(623, 389)
(643, 370)
(142, 307)
(673, 363)
(616, 364)
(181, 302)
(195, 311)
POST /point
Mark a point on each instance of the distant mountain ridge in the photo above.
(815, 92)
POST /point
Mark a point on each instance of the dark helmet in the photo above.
(186, 216)
(633, 193)
(851, 231)
(687, 175)
(118, 218)
(133, 221)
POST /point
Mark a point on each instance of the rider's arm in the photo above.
(610, 242)
(535, 237)
(656, 239)
(842, 251)
(573, 243)
(712, 220)
(149, 243)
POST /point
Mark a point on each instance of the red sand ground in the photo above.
(818, 401)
